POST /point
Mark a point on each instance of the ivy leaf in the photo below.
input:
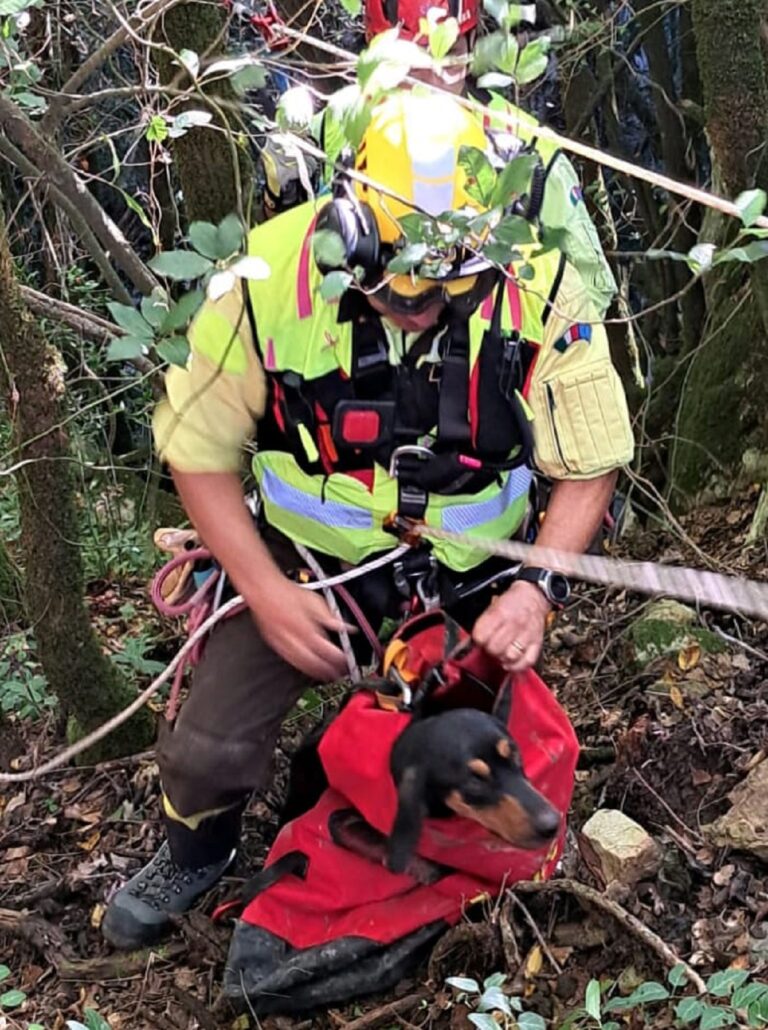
(204, 238)
(677, 976)
(180, 264)
(157, 129)
(126, 348)
(494, 999)
(182, 123)
(174, 350)
(463, 983)
(154, 308)
(328, 249)
(515, 180)
(335, 284)
(408, 258)
(181, 312)
(720, 985)
(189, 60)
(592, 1000)
(644, 994)
(751, 205)
(12, 999)
(483, 1021)
(251, 267)
(495, 980)
(4, 973)
(531, 1021)
(128, 318)
(94, 1020)
(352, 7)
(745, 996)
(481, 178)
(442, 37)
(533, 61)
(713, 1017)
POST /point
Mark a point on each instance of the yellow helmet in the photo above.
(411, 147)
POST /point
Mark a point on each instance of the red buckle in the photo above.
(360, 427)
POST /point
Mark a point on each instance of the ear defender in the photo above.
(354, 222)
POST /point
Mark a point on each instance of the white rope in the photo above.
(117, 720)
(330, 599)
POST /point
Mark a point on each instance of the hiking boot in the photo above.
(139, 914)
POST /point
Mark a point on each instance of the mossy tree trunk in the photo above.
(723, 411)
(212, 161)
(86, 683)
(10, 588)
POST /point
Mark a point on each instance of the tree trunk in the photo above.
(214, 168)
(88, 686)
(722, 411)
(10, 588)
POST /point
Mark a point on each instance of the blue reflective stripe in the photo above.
(461, 517)
(329, 513)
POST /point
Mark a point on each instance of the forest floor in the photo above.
(664, 738)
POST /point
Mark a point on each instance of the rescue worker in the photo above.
(413, 395)
(556, 202)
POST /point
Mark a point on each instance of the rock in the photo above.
(667, 628)
(618, 849)
(745, 825)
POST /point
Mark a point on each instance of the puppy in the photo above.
(464, 761)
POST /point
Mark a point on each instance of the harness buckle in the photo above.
(415, 450)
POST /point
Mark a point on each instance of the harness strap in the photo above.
(453, 412)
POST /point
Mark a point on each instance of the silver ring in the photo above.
(518, 646)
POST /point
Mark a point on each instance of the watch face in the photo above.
(559, 587)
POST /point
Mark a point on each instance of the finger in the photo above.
(329, 654)
(519, 661)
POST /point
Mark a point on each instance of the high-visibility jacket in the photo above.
(336, 498)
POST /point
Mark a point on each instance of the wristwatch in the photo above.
(554, 585)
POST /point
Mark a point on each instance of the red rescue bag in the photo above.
(346, 925)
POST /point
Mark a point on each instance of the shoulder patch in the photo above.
(578, 331)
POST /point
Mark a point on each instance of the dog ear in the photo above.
(406, 830)
(503, 703)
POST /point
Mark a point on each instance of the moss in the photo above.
(653, 638)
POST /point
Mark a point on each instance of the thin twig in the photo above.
(580, 890)
(537, 933)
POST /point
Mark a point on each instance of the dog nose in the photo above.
(546, 822)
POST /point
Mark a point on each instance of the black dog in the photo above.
(464, 761)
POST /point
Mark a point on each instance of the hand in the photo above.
(512, 628)
(295, 623)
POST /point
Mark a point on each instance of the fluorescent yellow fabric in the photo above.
(581, 424)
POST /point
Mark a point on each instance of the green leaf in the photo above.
(481, 178)
(154, 308)
(519, 13)
(757, 1013)
(644, 994)
(408, 258)
(12, 999)
(189, 60)
(531, 1021)
(515, 180)
(30, 100)
(204, 238)
(4, 973)
(128, 318)
(494, 80)
(464, 984)
(526, 273)
(157, 129)
(494, 1000)
(495, 980)
(747, 255)
(35, 1026)
(8, 8)
(498, 9)
(442, 37)
(415, 227)
(174, 350)
(483, 1021)
(500, 253)
(126, 348)
(514, 230)
(751, 205)
(355, 119)
(352, 7)
(496, 52)
(230, 233)
(747, 995)
(592, 1000)
(677, 976)
(250, 76)
(179, 264)
(335, 284)
(94, 1020)
(328, 249)
(721, 985)
(181, 312)
(182, 123)
(533, 61)
(713, 1017)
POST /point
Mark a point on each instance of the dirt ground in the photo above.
(664, 740)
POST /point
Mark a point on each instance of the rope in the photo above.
(330, 599)
(117, 720)
(712, 589)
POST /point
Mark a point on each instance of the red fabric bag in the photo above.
(350, 926)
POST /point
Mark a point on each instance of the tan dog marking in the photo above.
(480, 768)
(504, 748)
(507, 819)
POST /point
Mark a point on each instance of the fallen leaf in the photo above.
(533, 963)
(689, 657)
(676, 696)
(97, 914)
(699, 777)
(724, 875)
(90, 841)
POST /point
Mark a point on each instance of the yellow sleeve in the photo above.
(211, 406)
(581, 423)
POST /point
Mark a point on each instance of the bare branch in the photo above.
(53, 167)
